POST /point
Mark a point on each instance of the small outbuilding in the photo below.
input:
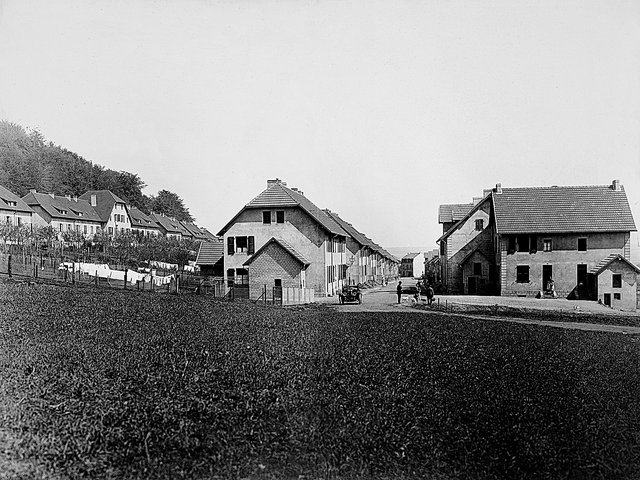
(615, 283)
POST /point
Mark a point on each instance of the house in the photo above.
(412, 265)
(280, 238)
(362, 263)
(210, 258)
(193, 231)
(169, 227)
(141, 223)
(614, 282)
(63, 213)
(111, 209)
(514, 241)
(13, 210)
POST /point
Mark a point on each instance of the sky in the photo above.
(378, 110)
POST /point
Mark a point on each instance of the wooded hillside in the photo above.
(28, 160)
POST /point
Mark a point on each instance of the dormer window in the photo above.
(479, 224)
(11, 203)
(280, 216)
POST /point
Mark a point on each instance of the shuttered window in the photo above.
(230, 246)
(251, 247)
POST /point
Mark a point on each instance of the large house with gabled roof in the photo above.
(111, 209)
(303, 246)
(63, 213)
(515, 241)
(141, 223)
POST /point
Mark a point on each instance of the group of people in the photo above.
(421, 289)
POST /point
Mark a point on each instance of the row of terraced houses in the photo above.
(570, 241)
(92, 213)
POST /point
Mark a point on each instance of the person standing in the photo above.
(399, 291)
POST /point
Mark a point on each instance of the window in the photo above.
(231, 273)
(547, 245)
(477, 268)
(523, 243)
(616, 280)
(241, 244)
(277, 282)
(582, 244)
(251, 248)
(91, 228)
(280, 216)
(512, 244)
(230, 246)
(110, 230)
(617, 296)
(85, 229)
(242, 276)
(19, 221)
(7, 219)
(266, 217)
(479, 224)
(522, 274)
(77, 228)
(60, 227)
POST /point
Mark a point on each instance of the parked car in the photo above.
(350, 293)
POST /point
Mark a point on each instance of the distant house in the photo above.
(194, 232)
(516, 240)
(141, 223)
(291, 239)
(63, 213)
(13, 210)
(169, 227)
(412, 265)
(614, 282)
(111, 209)
(210, 258)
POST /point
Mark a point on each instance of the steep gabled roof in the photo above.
(598, 208)
(63, 208)
(470, 254)
(139, 219)
(8, 199)
(350, 229)
(460, 222)
(453, 212)
(278, 195)
(209, 236)
(285, 246)
(105, 200)
(210, 253)
(410, 256)
(193, 230)
(600, 267)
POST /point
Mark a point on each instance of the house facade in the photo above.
(111, 209)
(141, 223)
(169, 227)
(303, 241)
(516, 240)
(412, 265)
(13, 210)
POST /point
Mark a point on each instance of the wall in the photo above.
(24, 217)
(273, 262)
(484, 285)
(628, 291)
(564, 260)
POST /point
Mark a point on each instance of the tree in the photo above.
(171, 205)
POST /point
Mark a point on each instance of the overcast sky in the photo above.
(378, 110)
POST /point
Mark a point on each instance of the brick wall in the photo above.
(272, 263)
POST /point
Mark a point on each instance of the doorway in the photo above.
(582, 281)
(547, 275)
(607, 299)
(472, 288)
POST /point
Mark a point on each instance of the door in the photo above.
(547, 274)
(472, 286)
(607, 299)
(277, 291)
(582, 280)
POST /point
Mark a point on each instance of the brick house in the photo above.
(515, 240)
(63, 213)
(14, 210)
(296, 231)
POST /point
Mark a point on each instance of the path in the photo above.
(384, 299)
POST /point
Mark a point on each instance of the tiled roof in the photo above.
(278, 195)
(605, 262)
(453, 212)
(139, 219)
(62, 207)
(350, 229)
(7, 198)
(105, 200)
(209, 236)
(473, 209)
(193, 230)
(168, 224)
(410, 256)
(288, 248)
(597, 208)
(210, 253)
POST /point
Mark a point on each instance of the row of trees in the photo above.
(124, 248)
(28, 161)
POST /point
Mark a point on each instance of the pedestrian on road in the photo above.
(399, 291)
(430, 294)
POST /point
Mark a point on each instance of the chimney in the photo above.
(94, 201)
(68, 197)
(33, 190)
(476, 200)
(498, 188)
(615, 185)
(270, 183)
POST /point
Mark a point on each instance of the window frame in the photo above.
(279, 214)
(616, 278)
(520, 274)
(477, 268)
(265, 214)
(586, 246)
(479, 223)
(547, 242)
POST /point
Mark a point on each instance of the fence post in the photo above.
(9, 266)
(125, 278)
